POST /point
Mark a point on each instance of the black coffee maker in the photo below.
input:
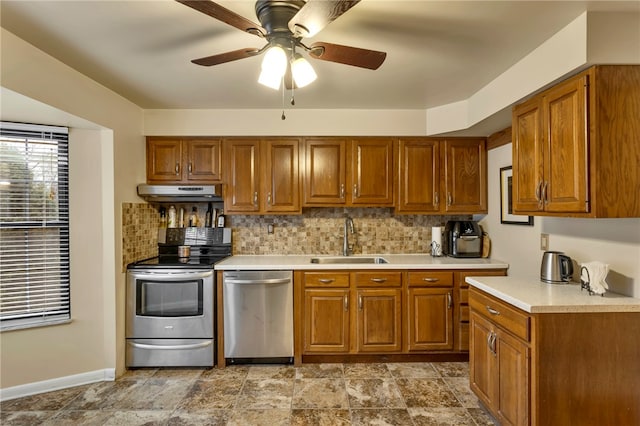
(462, 239)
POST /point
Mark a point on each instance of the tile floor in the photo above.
(313, 394)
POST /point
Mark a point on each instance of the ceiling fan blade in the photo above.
(225, 15)
(317, 14)
(226, 57)
(363, 58)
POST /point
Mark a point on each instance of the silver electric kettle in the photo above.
(556, 267)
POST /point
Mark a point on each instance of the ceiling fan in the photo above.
(284, 23)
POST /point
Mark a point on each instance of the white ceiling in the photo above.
(438, 52)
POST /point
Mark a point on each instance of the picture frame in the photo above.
(506, 200)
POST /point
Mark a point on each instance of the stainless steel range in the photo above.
(170, 313)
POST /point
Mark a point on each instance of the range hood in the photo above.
(180, 193)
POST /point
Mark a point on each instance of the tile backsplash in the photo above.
(316, 231)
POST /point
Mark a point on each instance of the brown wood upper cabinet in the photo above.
(262, 175)
(183, 160)
(575, 146)
(340, 171)
(442, 176)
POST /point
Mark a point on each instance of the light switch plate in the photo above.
(544, 242)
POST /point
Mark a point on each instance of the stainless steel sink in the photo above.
(346, 259)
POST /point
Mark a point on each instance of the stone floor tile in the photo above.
(366, 371)
(413, 370)
(452, 369)
(319, 371)
(49, 401)
(481, 417)
(207, 395)
(320, 417)
(427, 393)
(460, 388)
(179, 373)
(320, 393)
(25, 418)
(440, 416)
(138, 418)
(374, 393)
(104, 395)
(265, 393)
(267, 417)
(73, 417)
(157, 394)
(230, 372)
(380, 417)
(209, 418)
(271, 372)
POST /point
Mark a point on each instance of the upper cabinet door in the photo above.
(418, 187)
(204, 160)
(242, 159)
(325, 171)
(465, 164)
(281, 182)
(371, 171)
(164, 160)
(566, 170)
(528, 156)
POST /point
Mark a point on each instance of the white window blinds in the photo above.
(34, 225)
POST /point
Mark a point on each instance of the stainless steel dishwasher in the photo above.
(258, 316)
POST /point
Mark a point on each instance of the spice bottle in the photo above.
(171, 223)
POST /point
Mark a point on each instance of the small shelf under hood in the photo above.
(180, 193)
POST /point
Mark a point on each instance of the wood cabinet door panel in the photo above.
(566, 161)
(371, 171)
(528, 163)
(325, 171)
(430, 319)
(326, 317)
(281, 180)
(513, 380)
(482, 361)
(379, 320)
(418, 176)
(203, 160)
(164, 160)
(465, 176)
(243, 171)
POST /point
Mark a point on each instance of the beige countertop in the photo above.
(534, 296)
(395, 261)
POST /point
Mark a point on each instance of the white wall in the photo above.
(613, 241)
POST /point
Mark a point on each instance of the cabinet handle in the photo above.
(360, 302)
(346, 303)
(545, 198)
(342, 191)
(269, 198)
(177, 169)
(449, 301)
(326, 280)
(379, 280)
(190, 168)
(539, 192)
(493, 344)
(355, 189)
(492, 311)
(431, 280)
(436, 199)
(255, 198)
(449, 199)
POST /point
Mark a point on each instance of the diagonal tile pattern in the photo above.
(414, 394)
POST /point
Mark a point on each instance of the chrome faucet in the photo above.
(348, 227)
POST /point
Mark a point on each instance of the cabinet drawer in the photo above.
(326, 279)
(430, 279)
(378, 279)
(500, 313)
(464, 295)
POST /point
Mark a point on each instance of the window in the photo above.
(34, 225)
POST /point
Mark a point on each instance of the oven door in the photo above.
(170, 304)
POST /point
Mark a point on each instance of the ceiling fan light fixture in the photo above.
(303, 72)
(274, 66)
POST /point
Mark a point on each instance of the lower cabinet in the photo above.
(326, 320)
(379, 327)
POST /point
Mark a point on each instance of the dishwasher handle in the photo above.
(258, 281)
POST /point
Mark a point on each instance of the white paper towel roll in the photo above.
(436, 241)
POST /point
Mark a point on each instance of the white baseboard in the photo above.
(106, 375)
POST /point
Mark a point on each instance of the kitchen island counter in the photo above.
(534, 296)
(394, 261)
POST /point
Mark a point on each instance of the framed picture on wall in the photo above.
(506, 201)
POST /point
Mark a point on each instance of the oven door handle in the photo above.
(171, 347)
(267, 281)
(173, 275)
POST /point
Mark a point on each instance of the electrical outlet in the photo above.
(544, 242)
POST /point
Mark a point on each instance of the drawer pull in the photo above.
(431, 280)
(449, 301)
(379, 280)
(326, 280)
(360, 302)
(346, 303)
(492, 311)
